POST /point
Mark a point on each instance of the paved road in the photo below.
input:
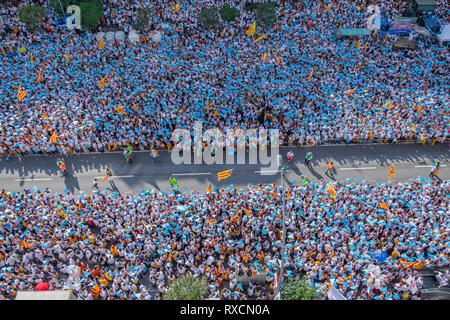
(370, 163)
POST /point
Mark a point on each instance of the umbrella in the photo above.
(379, 255)
(42, 286)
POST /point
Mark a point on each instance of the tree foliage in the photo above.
(266, 15)
(187, 288)
(91, 14)
(209, 17)
(32, 16)
(298, 289)
(228, 13)
(143, 16)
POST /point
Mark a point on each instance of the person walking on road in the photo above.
(308, 158)
(95, 184)
(155, 156)
(435, 169)
(329, 171)
(174, 184)
(108, 174)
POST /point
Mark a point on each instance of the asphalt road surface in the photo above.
(370, 163)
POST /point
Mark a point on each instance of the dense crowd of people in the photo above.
(369, 242)
(133, 246)
(311, 88)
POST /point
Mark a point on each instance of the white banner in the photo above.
(334, 294)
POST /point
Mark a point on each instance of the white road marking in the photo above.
(31, 179)
(442, 165)
(269, 171)
(112, 177)
(192, 174)
(360, 168)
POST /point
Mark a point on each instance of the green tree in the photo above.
(209, 17)
(143, 16)
(266, 15)
(187, 288)
(91, 14)
(229, 13)
(60, 6)
(298, 289)
(32, 16)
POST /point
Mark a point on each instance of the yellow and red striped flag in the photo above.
(328, 8)
(120, 109)
(95, 291)
(264, 57)
(224, 174)
(310, 75)
(31, 58)
(259, 38)
(39, 77)
(177, 7)
(383, 205)
(351, 91)
(210, 220)
(278, 60)
(24, 244)
(331, 191)
(251, 30)
(54, 137)
(391, 172)
(101, 44)
(21, 93)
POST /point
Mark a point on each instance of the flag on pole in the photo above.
(21, 93)
(351, 91)
(310, 75)
(391, 172)
(259, 38)
(224, 174)
(278, 60)
(251, 30)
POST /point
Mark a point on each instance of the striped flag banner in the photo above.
(391, 172)
(224, 174)
(259, 38)
(331, 191)
(39, 77)
(251, 30)
(106, 79)
(101, 44)
(21, 93)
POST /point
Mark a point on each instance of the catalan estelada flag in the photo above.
(391, 172)
(251, 30)
(224, 174)
(21, 93)
(106, 79)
